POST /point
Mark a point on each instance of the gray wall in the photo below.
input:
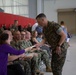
(51, 6)
(32, 8)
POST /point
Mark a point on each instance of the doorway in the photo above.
(69, 18)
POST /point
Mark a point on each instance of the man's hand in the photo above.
(38, 45)
(22, 55)
(58, 50)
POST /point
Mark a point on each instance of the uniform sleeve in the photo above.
(15, 45)
(57, 28)
(9, 49)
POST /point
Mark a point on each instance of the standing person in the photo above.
(5, 48)
(34, 26)
(55, 36)
(65, 31)
(14, 26)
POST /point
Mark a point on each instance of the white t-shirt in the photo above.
(34, 26)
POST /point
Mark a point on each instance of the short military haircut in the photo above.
(41, 15)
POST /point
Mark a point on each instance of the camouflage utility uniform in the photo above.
(52, 37)
(14, 27)
(42, 55)
(28, 64)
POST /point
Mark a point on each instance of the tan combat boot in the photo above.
(48, 69)
(41, 73)
(38, 72)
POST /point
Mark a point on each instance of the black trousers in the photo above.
(15, 69)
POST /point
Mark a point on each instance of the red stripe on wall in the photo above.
(8, 19)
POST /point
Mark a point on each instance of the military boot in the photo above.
(48, 69)
(39, 72)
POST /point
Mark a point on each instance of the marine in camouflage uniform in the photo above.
(57, 60)
(52, 35)
(34, 61)
(14, 26)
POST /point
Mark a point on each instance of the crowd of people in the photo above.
(22, 56)
(22, 49)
